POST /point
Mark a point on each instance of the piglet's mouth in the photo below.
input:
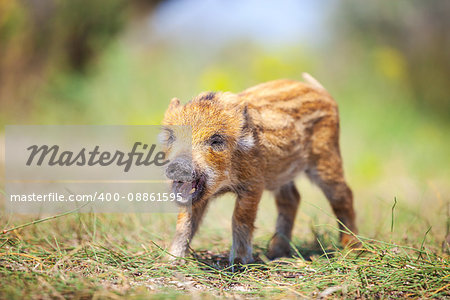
(188, 192)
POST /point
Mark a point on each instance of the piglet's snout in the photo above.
(180, 169)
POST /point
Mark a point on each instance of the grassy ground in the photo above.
(396, 160)
(83, 256)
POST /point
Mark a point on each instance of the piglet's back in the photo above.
(285, 114)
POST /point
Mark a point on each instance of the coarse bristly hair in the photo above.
(261, 139)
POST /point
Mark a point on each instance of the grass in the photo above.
(114, 256)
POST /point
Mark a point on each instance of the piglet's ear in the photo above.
(246, 116)
(246, 140)
(174, 103)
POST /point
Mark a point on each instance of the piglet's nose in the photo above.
(180, 169)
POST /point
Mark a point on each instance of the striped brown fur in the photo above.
(267, 135)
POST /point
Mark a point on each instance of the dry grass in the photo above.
(122, 255)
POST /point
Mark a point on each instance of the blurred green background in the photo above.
(119, 62)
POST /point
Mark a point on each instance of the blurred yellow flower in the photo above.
(216, 79)
(390, 63)
(271, 67)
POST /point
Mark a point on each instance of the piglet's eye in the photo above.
(217, 142)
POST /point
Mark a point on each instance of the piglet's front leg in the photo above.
(243, 225)
(187, 224)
